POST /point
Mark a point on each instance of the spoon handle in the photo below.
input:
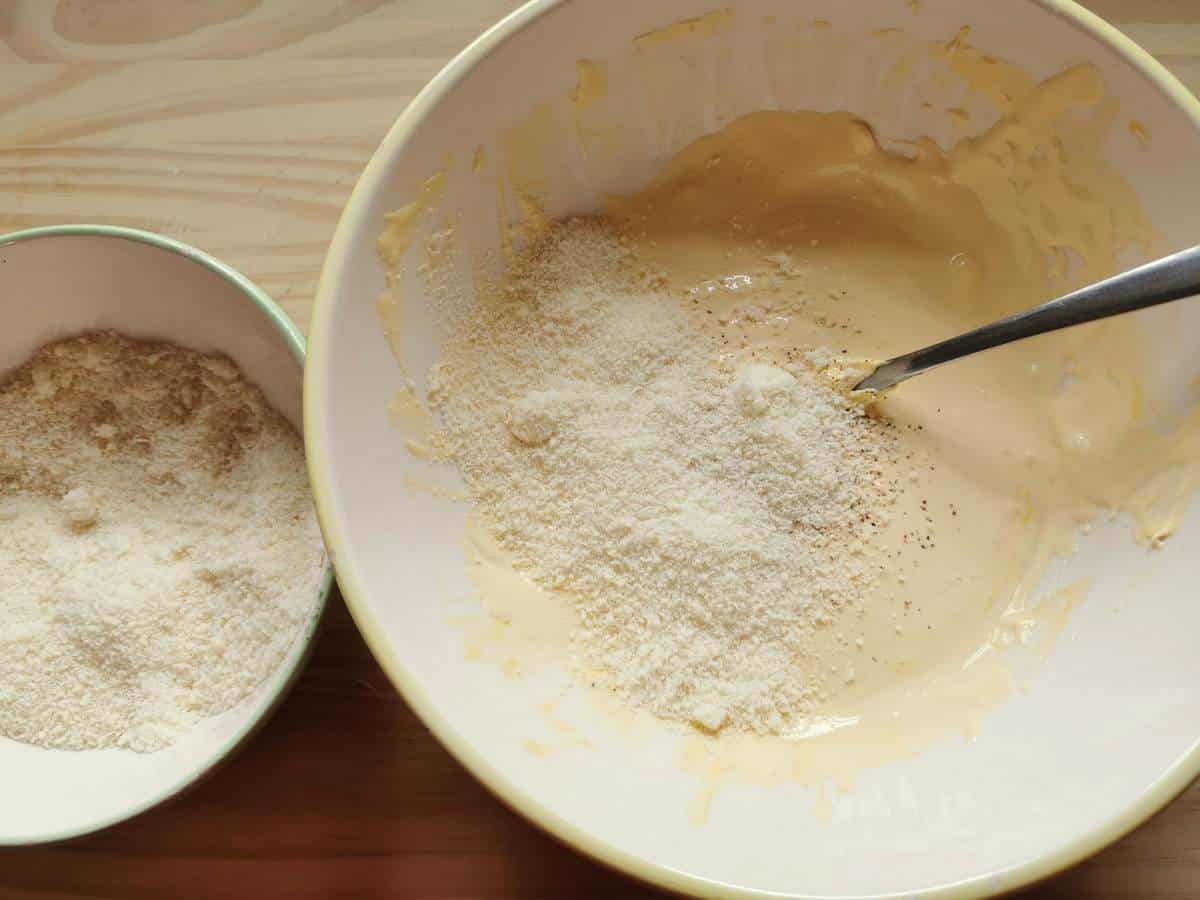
(1170, 278)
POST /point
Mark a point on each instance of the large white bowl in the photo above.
(59, 281)
(1102, 737)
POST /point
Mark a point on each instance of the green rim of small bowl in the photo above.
(1165, 788)
(267, 707)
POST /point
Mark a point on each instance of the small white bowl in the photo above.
(1102, 737)
(59, 281)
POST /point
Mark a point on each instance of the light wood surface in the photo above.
(240, 126)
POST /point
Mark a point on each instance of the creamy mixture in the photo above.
(799, 240)
(795, 230)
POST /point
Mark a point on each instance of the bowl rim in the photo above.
(1160, 792)
(267, 705)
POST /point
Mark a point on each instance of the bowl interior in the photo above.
(1102, 735)
(57, 285)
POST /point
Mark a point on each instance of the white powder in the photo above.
(158, 555)
(705, 514)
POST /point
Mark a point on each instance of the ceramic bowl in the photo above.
(1103, 735)
(57, 282)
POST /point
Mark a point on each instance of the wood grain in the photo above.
(240, 126)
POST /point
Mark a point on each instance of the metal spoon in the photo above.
(1170, 278)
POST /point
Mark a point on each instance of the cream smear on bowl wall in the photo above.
(671, 501)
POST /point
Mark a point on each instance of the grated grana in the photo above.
(704, 513)
(159, 553)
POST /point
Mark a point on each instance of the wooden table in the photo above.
(240, 126)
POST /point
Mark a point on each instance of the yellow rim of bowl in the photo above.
(1165, 788)
(267, 706)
